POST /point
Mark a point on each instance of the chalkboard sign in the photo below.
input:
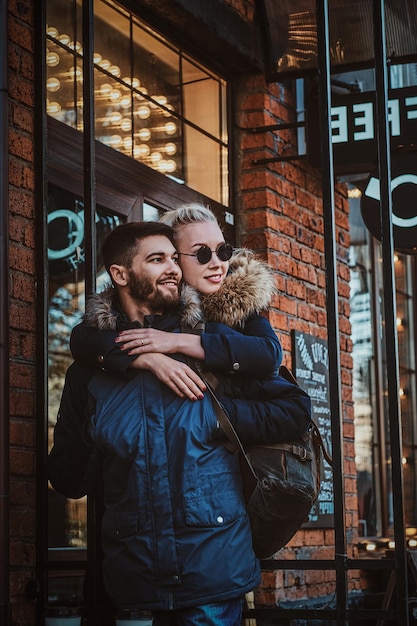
(311, 370)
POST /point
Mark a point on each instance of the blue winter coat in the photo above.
(175, 531)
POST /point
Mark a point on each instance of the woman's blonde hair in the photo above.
(188, 214)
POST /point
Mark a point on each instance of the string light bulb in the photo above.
(144, 134)
(105, 64)
(53, 108)
(64, 39)
(52, 58)
(170, 128)
(51, 31)
(170, 148)
(53, 84)
(143, 112)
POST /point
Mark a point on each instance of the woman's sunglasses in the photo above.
(203, 255)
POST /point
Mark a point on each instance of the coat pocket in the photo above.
(212, 509)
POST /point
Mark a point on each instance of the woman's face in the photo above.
(208, 277)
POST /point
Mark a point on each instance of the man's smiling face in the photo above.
(155, 275)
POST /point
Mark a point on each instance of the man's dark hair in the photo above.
(121, 244)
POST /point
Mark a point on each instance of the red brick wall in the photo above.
(281, 217)
(22, 307)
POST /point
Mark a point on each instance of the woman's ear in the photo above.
(119, 275)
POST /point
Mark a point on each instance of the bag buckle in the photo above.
(300, 452)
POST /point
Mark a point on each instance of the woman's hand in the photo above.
(176, 375)
(145, 340)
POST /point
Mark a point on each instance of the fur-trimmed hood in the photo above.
(247, 289)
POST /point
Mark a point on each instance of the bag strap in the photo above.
(225, 423)
(288, 375)
(233, 437)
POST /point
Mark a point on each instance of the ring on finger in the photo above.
(142, 343)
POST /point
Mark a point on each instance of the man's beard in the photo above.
(145, 291)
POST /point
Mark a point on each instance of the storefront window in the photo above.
(151, 101)
(372, 445)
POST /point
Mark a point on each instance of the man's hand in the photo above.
(144, 340)
(176, 375)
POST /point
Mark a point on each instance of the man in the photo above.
(175, 535)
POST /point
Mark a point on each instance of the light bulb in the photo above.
(53, 84)
(52, 59)
(52, 31)
(53, 108)
(144, 134)
(167, 167)
(143, 112)
(114, 70)
(159, 99)
(126, 125)
(400, 323)
(115, 118)
(171, 166)
(170, 128)
(162, 166)
(64, 39)
(116, 95)
(156, 157)
(125, 102)
(170, 148)
(105, 64)
(141, 151)
(97, 58)
(127, 143)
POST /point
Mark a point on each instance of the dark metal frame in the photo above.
(4, 317)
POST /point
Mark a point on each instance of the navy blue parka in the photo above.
(175, 531)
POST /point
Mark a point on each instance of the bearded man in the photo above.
(176, 538)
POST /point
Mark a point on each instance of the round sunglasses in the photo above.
(203, 255)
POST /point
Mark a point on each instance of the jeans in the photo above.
(228, 613)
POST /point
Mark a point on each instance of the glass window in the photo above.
(67, 519)
(363, 380)
(372, 448)
(152, 102)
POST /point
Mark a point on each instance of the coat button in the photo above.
(175, 578)
(100, 358)
(220, 519)
(236, 366)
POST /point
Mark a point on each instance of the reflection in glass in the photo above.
(67, 518)
(362, 354)
(373, 456)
